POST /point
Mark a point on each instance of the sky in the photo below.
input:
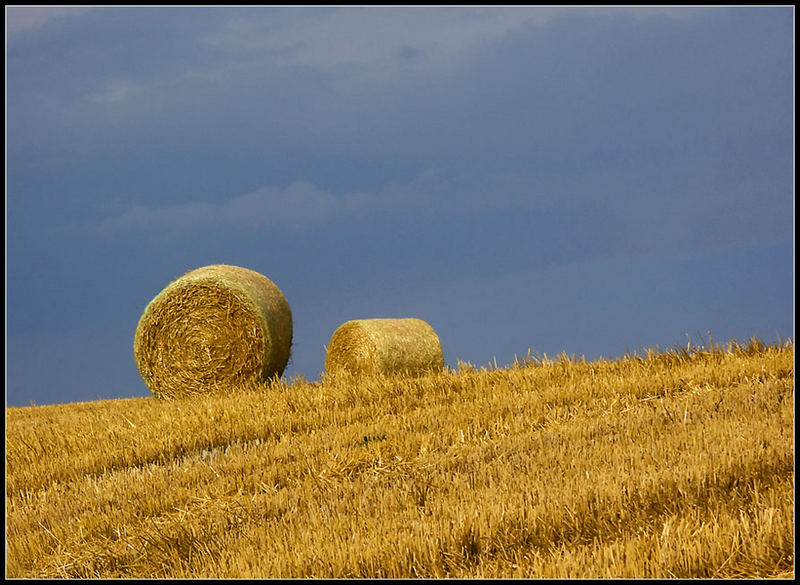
(594, 181)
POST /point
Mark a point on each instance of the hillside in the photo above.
(674, 463)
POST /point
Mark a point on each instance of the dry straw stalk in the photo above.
(384, 346)
(214, 327)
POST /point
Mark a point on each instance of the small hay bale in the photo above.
(384, 346)
(214, 327)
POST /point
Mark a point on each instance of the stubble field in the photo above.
(676, 463)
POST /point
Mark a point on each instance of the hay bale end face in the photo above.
(213, 328)
(384, 346)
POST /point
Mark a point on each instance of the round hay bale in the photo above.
(214, 327)
(384, 346)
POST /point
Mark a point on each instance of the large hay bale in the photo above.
(214, 327)
(384, 346)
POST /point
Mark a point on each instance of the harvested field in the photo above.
(663, 465)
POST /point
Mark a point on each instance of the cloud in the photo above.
(367, 35)
(299, 205)
(412, 83)
(117, 92)
(302, 204)
(361, 35)
(629, 128)
(20, 19)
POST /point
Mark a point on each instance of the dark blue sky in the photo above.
(561, 179)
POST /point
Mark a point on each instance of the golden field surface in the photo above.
(675, 463)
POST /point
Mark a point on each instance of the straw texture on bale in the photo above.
(384, 346)
(214, 327)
